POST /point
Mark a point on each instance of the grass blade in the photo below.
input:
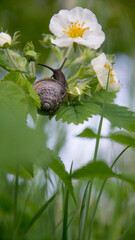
(37, 215)
(84, 210)
(126, 230)
(65, 218)
(100, 193)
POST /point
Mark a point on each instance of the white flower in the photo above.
(5, 38)
(101, 65)
(76, 25)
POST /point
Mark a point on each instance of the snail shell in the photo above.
(51, 93)
(51, 90)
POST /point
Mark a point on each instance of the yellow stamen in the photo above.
(111, 80)
(107, 66)
(112, 75)
(75, 29)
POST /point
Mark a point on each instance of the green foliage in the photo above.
(87, 133)
(26, 194)
(58, 167)
(123, 138)
(94, 169)
(100, 170)
(29, 52)
(120, 116)
(78, 112)
(36, 217)
(3, 61)
(14, 132)
(23, 82)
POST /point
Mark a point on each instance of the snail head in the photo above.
(57, 73)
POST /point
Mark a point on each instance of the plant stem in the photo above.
(10, 58)
(100, 193)
(70, 80)
(68, 51)
(95, 158)
(32, 69)
(15, 201)
(65, 218)
(84, 210)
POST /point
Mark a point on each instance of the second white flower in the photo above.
(102, 65)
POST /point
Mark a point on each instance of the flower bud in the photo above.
(29, 52)
(5, 39)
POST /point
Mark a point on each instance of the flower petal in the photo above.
(62, 42)
(93, 39)
(78, 25)
(58, 22)
(5, 38)
(82, 14)
(99, 64)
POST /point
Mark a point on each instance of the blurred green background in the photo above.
(116, 209)
(32, 17)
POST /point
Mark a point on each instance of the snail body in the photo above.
(51, 90)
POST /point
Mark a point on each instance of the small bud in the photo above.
(46, 42)
(5, 40)
(29, 52)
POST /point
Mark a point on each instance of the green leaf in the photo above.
(31, 108)
(78, 112)
(87, 133)
(49, 158)
(130, 178)
(46, 157)
(120, 116)
(22, 81)
(18, 143)
(58, 167)
(100, 170)
(12, 100)
(123, 138)
(94, 169)
(99, 97)
(3, 62)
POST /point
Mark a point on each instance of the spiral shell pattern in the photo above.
(51, 93)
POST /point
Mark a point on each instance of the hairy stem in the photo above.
(32, 69)
(10, 58)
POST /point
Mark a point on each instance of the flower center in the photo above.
(75, 29)
(111, 77)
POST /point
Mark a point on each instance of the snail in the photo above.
(51, 90)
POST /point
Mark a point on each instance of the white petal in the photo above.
(94, 39)
(102, 73)
(5, 38)
(101, 59)
(81, 14)
(62, 42)
(58, 22)
(114, 87)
